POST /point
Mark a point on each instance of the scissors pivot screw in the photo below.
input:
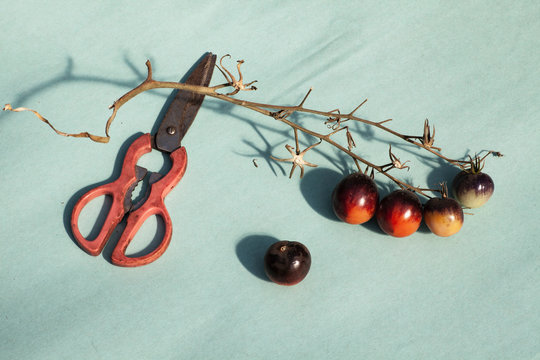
(171, 130)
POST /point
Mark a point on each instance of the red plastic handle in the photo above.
(154, 205)
(117, 190)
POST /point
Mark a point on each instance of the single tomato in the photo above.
(355, 198)
(472, 189)
(444, 217)
(399, 213)
(287, 262)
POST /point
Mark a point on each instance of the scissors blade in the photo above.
(184, 107)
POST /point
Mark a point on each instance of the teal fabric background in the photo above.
(472, 68)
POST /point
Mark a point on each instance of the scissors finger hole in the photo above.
(93, 215)
(155, 161)
(148, 238)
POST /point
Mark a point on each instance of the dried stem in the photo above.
(335, 119)
(85, 134)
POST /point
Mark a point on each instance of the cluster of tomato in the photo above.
(356, 200)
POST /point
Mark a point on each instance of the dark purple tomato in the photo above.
(287, 262)
(444, 217)
(355, 198)
(399, 213)
(472, 190)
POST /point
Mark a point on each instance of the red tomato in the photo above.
(355, 198)
(399, 214)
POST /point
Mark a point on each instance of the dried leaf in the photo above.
(350, 140)
(96, 138)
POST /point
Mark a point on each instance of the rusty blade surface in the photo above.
(184, 107)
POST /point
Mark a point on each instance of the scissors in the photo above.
(173, 127)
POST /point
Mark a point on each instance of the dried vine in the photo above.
(333, 119)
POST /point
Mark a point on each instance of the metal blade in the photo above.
(184, 107)
(140, 174)
(152, 178)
